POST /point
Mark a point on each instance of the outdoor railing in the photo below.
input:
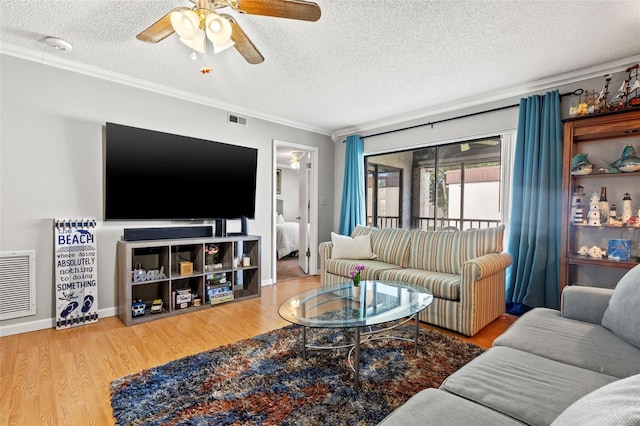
(430, 223)
(385, 221)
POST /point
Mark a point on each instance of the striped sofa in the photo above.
(465, 271)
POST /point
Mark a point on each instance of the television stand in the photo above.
(176, 276)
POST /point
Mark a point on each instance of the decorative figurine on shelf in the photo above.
(614, 220)
(594, 211)
(604, 205)
(583, 250)
(628, 92)
(577, 216)
(156, 306)
(628, 152)
(613, 214)
(602, 103)
(138, 308)
(628, 162)
(626, 207)
(580, 165)
(596, 252)
(576, 197)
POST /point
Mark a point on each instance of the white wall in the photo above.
(290, 194)
(51, 166)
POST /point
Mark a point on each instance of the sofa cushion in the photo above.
(527, 387)
(363, 230)
(443, 286)
(435, 251)
(372, 268)
(436, 407)
(390, 245)
(427, 248)
(615, 404)
(544, 332)
(584, 303)
(351, 248)
(622, 316)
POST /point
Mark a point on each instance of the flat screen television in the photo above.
(151, 175)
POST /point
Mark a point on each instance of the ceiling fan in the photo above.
(193, 24)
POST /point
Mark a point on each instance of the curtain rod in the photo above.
(431, 123)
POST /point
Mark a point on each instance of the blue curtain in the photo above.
(352, 210)
(535, 221)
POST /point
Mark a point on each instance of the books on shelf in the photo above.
(218, 288)
(221, 298)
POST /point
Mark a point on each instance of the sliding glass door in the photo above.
(453, 186)
(384, 189)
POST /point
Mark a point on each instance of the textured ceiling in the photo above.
(360, 63)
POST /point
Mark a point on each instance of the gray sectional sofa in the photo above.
(576, 366)
(465, 270)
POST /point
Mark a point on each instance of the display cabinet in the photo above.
(160, 278)
(602, 139)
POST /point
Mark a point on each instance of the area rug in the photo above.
(264, 380)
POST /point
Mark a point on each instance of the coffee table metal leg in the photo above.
(304, 342)
(356, 371)
(415, 340)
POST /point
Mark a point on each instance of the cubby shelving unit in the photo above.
(151, 270)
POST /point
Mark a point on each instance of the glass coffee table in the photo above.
(385, 304)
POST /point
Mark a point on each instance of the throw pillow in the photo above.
(279, 219)
(622, 316)
(351, 248)
(615, 404)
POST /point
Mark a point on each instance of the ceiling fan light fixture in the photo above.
(217, 48)
(218, 28)
(185, 23)
(295, 161)
(197, 43)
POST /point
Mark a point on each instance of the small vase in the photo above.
(355, 292)
(210, 261)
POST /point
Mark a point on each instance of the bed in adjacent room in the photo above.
(287, 237)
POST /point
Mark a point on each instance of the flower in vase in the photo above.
(211, 250)
(355, 274)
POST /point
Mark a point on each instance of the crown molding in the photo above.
(546, 84)
(80, 68)
(502, 95)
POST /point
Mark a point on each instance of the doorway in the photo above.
(295, 246)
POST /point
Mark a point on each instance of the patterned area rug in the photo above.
(265, 381)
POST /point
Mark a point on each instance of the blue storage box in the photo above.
(619, 250)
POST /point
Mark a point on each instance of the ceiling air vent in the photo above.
(237, 119)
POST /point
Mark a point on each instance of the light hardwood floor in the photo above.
(61, 377)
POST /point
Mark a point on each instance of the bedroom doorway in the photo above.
(295, 246)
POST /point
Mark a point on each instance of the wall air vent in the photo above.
(237, 119)
(17, 284)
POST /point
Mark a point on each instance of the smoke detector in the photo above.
(57, 44)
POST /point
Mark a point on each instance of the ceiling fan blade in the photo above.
(160, 29)
(292, 9)
(243, 45)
